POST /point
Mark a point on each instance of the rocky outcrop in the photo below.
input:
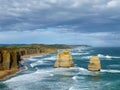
(94, 64)
(6, 60)
(64, 59)
(13, 59)
(11, 56)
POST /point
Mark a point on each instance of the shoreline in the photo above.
(32, 55)
(5, 74)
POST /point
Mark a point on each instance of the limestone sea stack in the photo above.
(94, 64)
(64, 59)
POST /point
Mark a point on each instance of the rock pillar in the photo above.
(94, 64)
(64, 59)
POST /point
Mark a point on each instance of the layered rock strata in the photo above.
(94, 64)
(11, 58)
(64, 59)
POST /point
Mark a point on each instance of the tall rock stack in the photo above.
(64, 59)
(94, 64)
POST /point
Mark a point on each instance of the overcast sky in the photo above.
(91, 22)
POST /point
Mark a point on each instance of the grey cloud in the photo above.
(72, 15)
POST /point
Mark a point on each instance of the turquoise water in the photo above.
(42, 76)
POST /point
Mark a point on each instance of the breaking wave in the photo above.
(50, 58)
(41, 61)
(79, 53)
(101, 56)
(110, 71)
(107, 56)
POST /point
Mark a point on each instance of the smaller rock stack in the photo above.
(94, 64)
(64, 59)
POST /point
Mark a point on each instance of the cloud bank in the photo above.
(96, 21)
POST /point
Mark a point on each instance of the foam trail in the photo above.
(111, 71)
(36, 63)
(74, 77)
(107, 56)
(32, 59)
(79, 53)
(50, 58)
(86, 57)
(77, 77)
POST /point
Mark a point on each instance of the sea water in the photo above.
(41, 75)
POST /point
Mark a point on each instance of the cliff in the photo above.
(10, 56)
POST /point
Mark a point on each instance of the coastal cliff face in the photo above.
(64, 59)
(13, 59)
(10, 57)
(94, 64)
(6, 60)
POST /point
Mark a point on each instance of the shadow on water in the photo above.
(95, 76)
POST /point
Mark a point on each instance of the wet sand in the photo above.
(7, 73)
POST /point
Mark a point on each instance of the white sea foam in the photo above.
(79, 53)
(74, 77)
(32, 59)
(104, 56)
(77, 77)
(110, 71)
(84, 71)
(76, 88)
(37, 63)
(107, 56)
(101, 56)
(25, 81)
(86, 57)
(51, 75)
(32, 65)
(50, 58)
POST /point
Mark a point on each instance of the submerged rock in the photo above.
(64, 59)
(94, 64)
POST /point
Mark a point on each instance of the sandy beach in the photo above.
(7, 73)
(32, 55)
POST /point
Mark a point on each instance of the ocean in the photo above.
(41, 75)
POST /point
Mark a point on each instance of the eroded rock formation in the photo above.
(11, 56)
(13, 59)
(6, 60)
(64, 59)
(94, 64)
